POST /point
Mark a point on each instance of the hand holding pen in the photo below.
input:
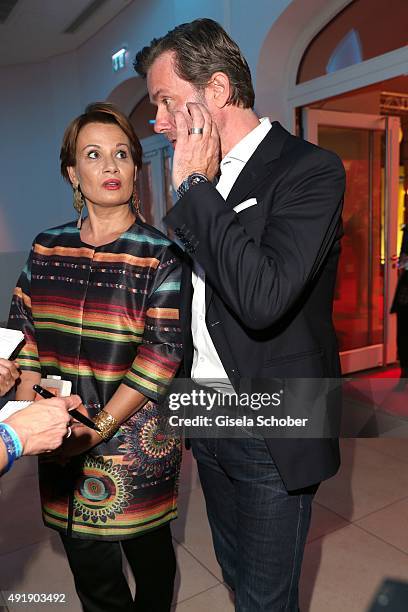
(74, 412)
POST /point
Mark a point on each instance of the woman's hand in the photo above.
(82, 439)
(122, 405)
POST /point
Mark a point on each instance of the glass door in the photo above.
(367, 275)
(154, 181)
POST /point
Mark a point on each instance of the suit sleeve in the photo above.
(262, 283)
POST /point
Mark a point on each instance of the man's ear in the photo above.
(73, 176)
(219, 89)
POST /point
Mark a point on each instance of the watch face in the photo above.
(193, 179)
(190, 181)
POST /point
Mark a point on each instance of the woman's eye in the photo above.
(121, 154)
(93, 154)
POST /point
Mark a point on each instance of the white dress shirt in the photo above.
(207, 368)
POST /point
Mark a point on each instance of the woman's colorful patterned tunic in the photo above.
(101, 316)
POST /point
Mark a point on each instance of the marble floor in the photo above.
(359, 536)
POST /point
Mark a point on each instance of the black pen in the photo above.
(74, 412)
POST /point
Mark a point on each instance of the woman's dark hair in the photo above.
(97, 112)
(202, 48)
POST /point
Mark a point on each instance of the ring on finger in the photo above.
(69, 432)
(197, 130)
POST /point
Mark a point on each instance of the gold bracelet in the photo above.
(107, 425)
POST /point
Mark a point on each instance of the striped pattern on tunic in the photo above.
(99, 317)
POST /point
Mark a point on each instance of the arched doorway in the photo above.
(128, 94)
(341, 89)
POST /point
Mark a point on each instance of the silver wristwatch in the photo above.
(190, 181)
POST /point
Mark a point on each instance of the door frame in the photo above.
(155, 149)
(380, 354)
(380, 68)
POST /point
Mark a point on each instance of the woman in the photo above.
(98, 304)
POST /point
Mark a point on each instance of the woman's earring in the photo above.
(79, 204)
(134, 202)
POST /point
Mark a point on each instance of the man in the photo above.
(264, 246)
(39, 428)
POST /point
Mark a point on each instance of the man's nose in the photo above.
(162, 123)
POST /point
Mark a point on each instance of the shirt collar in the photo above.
(245, 148)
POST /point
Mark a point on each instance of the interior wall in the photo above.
(36, 103)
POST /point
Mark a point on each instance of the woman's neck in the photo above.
(103, 226)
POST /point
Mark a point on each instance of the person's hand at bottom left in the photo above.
(43, 425)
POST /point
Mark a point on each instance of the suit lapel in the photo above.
(252, 174)
(257, 166)
(208, 295)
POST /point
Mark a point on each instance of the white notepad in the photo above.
(9, 341)
(10, 408)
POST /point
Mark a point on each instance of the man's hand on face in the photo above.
(195, 152)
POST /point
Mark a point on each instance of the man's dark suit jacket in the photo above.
(270, 276)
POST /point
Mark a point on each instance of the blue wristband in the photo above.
(17, 442)
(12, 443)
